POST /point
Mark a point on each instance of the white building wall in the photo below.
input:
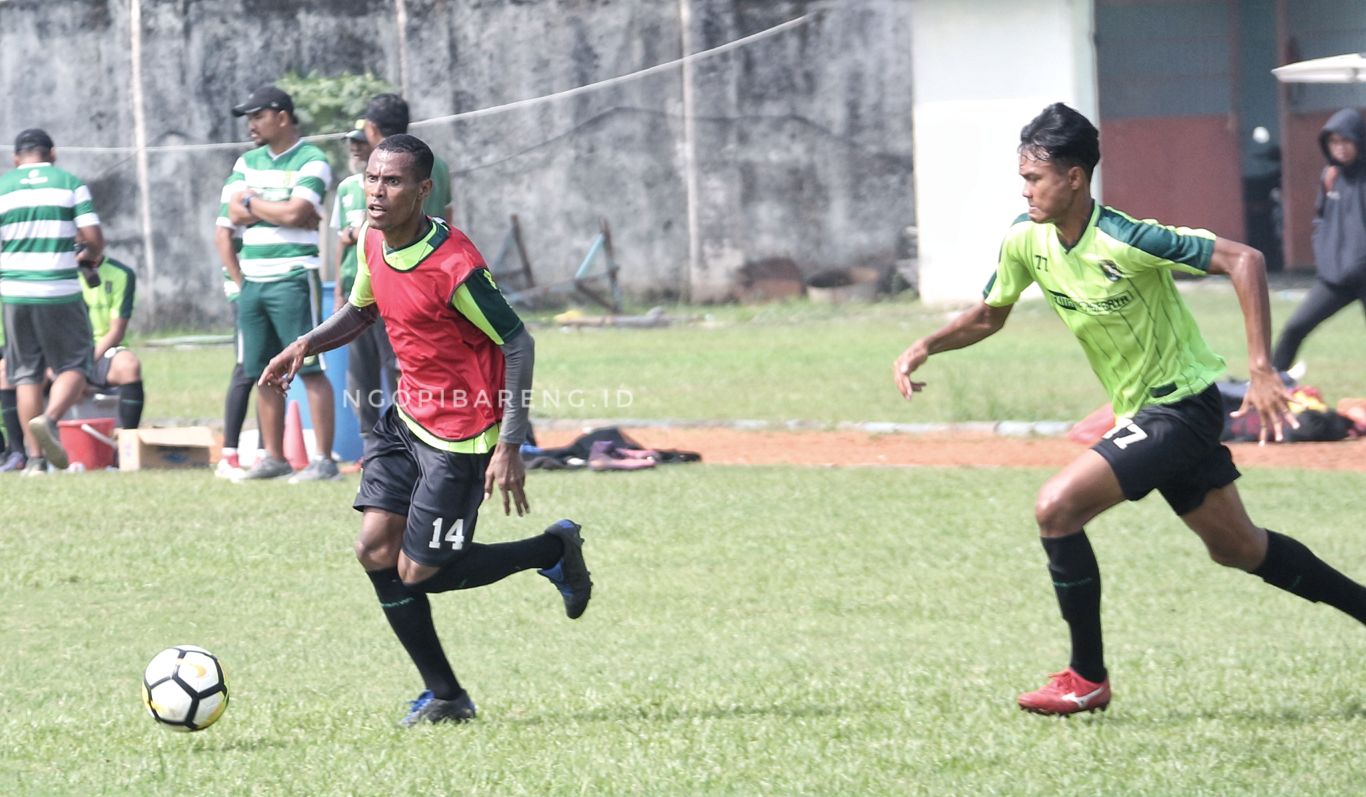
(981, 70)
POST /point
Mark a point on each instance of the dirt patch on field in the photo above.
(845, 449)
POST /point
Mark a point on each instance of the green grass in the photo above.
(754, 631)
(780, 631)
(818, 363)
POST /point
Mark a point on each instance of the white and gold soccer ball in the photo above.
(184, 688)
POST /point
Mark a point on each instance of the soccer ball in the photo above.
(184, 689)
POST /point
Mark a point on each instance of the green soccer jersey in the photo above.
(436, 202)
(270, 253)
(349, 211)
(1114, 289)
(41, 207)
(112, 298)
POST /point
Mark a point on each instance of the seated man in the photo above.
(117, 369)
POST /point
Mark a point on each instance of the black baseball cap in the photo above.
(358, 132)
(265, 97)
(32, 138)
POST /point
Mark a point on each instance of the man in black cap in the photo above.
(275, 195)
(49, 230)
(387, 115)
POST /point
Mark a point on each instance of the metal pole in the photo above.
(689, 151)
(149, 259)
(401, 21)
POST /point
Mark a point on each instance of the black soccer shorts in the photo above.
(1174, 449)
(439, 491)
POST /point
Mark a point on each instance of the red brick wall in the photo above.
(1182, 171)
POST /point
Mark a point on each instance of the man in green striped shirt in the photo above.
(1108, 277)
(46, 215)
(275, 193)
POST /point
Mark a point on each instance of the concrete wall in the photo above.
(796, 146)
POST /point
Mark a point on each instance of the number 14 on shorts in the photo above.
(455, 535)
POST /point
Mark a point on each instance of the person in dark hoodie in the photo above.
(1339, 235)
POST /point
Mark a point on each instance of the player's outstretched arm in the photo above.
(969, 327)
(339, 329)
(1266, 395)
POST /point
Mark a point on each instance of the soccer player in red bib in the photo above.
(1108, 277)
(455, 429)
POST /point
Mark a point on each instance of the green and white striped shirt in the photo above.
(270, 253)
(40, 208)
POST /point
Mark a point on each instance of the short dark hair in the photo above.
(414, 146)
(389, 112)
(1063, 136)
(33, 140)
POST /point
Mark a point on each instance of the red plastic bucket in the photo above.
(86, 448)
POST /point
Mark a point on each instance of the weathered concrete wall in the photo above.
(799, 147)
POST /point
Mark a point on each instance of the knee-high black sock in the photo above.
(1294, 568)
(235, 407)
(9, 406)
(130, 405)
(1076, 580)
(410, 615)
(484, 564)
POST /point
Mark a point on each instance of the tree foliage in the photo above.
(331, 104)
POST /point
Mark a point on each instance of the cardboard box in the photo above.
(182, 447)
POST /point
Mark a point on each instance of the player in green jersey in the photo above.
(109, 303)
(1109, 278)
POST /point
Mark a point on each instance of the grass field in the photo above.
(788, 632)
(817, 363)
(783, 631)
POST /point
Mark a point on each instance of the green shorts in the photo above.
(271, 315)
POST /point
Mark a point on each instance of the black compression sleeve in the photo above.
(341, 328)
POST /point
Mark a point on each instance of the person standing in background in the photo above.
(275, 194)
(48, 229)
(387, 115)
(1339, 235)
(369, 356)
(227, 242)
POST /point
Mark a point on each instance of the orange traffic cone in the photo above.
(296, 453)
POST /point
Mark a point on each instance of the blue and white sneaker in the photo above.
(570, 574)
(427, 708)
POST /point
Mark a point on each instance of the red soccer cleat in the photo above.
(1067, 693)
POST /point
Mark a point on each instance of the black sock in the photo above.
(130, 405)
(9, 406)
(1076, 580)
(1291, 566)
(480, 564)
(235, 407)
(410, 615)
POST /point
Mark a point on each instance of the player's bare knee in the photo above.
(1053, 511)
(1221, 553)
(375, 554)
(125, 369)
